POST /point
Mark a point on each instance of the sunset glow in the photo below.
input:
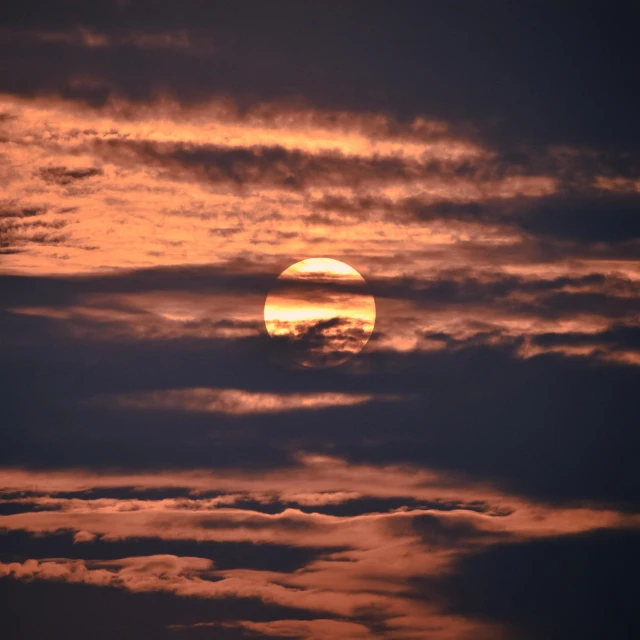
(308, 309)
(319, 321)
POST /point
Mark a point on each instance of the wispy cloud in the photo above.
(239, 402)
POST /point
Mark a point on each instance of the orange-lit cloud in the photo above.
(239, 402)
(149, 185)
(375, 558)
(129, 186)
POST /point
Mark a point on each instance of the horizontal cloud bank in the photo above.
(373, 559)
(238, 402)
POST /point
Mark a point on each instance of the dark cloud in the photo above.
(437, 532)
(542, 426)
(16, 231)
(323, 343)
(583, 217)
(64, 176)
(273, 166)
(572, 587)
(593, 294)
(47, 238)
(577, 211)
(14, 225)
(10, 508)
(618, 337)
(534, 73)
(563, 303)
(18, 546)
(13, 210)
(596, 217)
(226, 232)
(239, 276)
(76, 611)
(366, 206)
(451, 287)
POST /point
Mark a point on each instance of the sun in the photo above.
(319, 312)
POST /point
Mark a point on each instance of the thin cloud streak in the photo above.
(237, 401)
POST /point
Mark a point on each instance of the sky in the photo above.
(167, 470)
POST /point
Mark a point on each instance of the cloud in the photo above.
(590, 217)
(160, 182)
(363, 571)
(237, 401)
(152, 573)
(83, 536)
(228, 554)
(13, 210)
(386, 560)
(585, 217)
(476, 407)
(320, 343)
(165, 463)
(594, 598)
(498, 234)
(82, 37)
(618, 339)
(516, 90)
(184, 577)
(438, 500)
(452, 309)
(64, 176)
(98, 612)
(272, 166)
(306, 629)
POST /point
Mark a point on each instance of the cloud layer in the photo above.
(169, 471)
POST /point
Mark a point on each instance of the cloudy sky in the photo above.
(472, 473)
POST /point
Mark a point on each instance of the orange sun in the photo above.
(320, 312)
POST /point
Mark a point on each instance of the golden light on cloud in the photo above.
(320, 312)
(239, 402)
